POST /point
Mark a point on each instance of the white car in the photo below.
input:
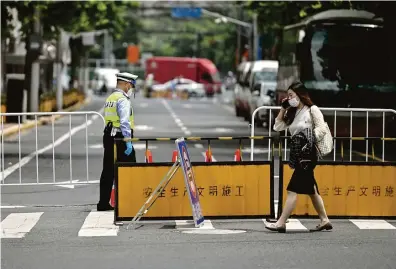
(259, 90)
(193, 88)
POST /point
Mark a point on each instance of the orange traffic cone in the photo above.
(148, 157)
(208, 156)
(238, 156)
(112, 197)
(174, 156)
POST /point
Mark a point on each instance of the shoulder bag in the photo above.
(324, 144)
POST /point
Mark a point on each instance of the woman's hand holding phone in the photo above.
(285, 103)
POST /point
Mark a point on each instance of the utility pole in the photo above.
(35, 72)
(59, 90)
(255, 37)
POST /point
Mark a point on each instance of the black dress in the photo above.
(303, 159)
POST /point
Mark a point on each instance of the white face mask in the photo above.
(294, 102)
(130, 91)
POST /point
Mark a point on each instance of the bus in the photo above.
(346, 59)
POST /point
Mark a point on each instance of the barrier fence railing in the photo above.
(208, 141)
(350, 189)
(345, 113)
(226, 189)
(46, 118)
(368, 154)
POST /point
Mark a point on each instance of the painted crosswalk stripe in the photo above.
(17, 225)
(188, 224)
(99, 224)
(293, 225)
(372, 224)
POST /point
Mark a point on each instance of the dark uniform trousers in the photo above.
(107, 177)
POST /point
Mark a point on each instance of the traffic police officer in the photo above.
(119, 124)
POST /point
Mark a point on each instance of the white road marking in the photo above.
(96, 146)
(56, 143)
(187, 106)
(12, 206)
(176, 118)
(70, 186)
(143, 105)
(294, 225)
(17, 225)
(372, 224)
(99, 224)
(143, 128)
(213, 158)
(188, 225)
(198, 146)
(224, 130)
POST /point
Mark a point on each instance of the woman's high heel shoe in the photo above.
(273, 227)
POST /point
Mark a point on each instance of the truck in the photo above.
(200, 70)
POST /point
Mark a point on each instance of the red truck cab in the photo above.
(198, 69)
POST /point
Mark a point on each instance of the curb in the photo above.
(43, 120)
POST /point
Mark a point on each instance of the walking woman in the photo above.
(299, 115)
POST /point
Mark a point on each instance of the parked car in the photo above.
(193, 88)
(262, 90)
(256, 87)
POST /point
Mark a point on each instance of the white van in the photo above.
(260, 89)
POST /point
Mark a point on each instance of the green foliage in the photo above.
(72, 16)
(218, 41)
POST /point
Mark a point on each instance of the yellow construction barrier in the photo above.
(226, 189)
(350, 190)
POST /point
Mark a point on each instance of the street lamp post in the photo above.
(251, 27)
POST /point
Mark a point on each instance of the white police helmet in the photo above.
(128, 77)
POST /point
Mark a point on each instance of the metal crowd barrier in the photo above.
(350, 111)
(196, 138)
(38, 117)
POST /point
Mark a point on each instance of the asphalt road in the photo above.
(51, 226)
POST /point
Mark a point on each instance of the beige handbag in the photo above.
(324, 144)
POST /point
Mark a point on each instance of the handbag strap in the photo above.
(313, 122)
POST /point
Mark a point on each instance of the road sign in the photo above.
(186, 12)
(189, 180)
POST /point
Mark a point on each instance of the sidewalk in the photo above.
(9, 129)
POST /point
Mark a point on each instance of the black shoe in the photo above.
(105, 207)
(328, 226)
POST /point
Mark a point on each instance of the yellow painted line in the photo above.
(368, 155)
(256, 137)
(225, 138)
(357, 138)
(193, 138)
(163, 139)
(389, 138)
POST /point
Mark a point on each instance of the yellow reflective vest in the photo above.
(110, 110)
